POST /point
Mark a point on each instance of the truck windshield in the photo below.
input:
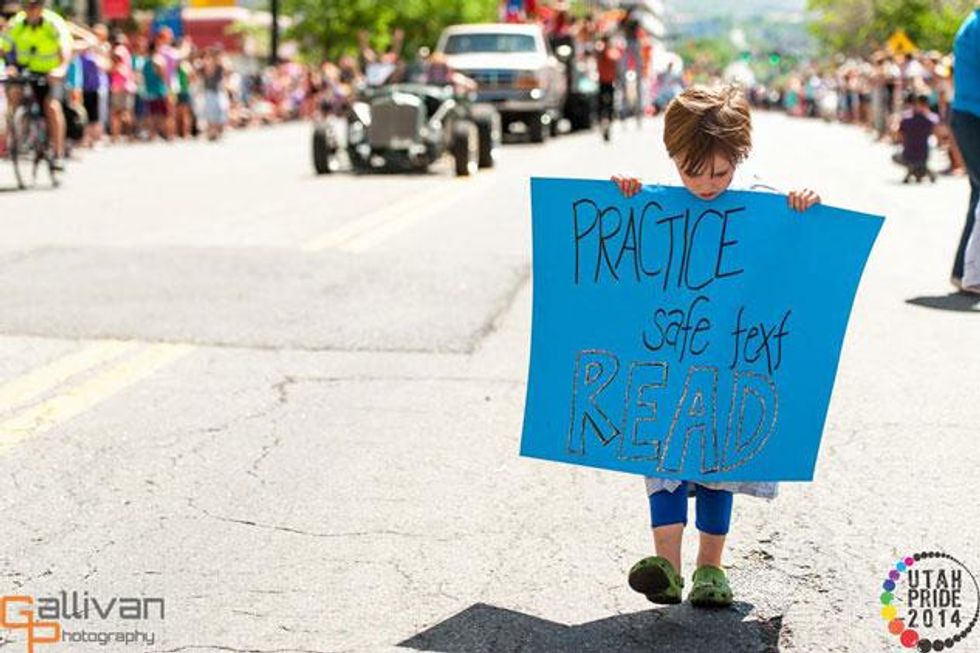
(466, 43)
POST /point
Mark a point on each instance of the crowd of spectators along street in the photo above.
(336, 82)
(143, 86)
(897, 98)
(147, 85)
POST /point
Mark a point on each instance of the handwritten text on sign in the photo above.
(686, 339)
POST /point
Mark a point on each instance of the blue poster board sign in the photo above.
(686, 339)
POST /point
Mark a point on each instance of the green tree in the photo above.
(707, 56)
(329, 28)
(151, 5)
(861, 26)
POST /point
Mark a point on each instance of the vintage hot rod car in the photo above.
(408, 127)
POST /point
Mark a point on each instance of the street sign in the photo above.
(686, 339)
(900, 43)
(212, 3)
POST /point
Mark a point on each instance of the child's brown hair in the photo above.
(702, 122)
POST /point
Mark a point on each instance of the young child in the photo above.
(708, 133)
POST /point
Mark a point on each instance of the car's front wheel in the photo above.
(324, 151)
(466, 148)
(580, 110)
(537, 127)
(489, 130)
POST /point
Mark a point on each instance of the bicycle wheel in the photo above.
(52, 173)
(44, 151)
(20, 145)
(38, 154)
(36, 160)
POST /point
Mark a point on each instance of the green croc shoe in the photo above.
(656, 578)
(709, 588)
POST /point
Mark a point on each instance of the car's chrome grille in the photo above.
(392, 124)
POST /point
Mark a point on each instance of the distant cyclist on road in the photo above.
(37, 40)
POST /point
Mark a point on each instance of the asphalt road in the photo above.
(290, 406)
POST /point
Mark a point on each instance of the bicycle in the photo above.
(28, 143)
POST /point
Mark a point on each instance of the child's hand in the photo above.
(801, 200)
(628, 186)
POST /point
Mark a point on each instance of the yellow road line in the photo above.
(48, 414)
(38, 381)
(406, 219)
(362, 233)
(338, 235)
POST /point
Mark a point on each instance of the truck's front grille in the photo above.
(491, 79)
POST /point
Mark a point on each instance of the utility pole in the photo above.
(274, 44)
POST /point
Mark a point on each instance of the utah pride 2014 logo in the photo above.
(927, 599)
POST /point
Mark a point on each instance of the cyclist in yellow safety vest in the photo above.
(37, 40)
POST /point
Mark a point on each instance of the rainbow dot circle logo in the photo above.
(930, 601)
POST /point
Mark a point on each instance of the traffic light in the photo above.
(775, 58)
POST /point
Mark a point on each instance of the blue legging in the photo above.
(713, 508)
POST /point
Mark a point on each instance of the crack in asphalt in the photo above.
(503, 308)
(213, 344)
(369, 378)
(282, 398)
(299, 531)
(218, 647)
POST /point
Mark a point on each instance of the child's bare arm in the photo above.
(801, 200)
(628, 186)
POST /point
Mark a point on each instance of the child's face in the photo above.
(712, 181)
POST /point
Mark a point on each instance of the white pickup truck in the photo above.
(514, 69)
